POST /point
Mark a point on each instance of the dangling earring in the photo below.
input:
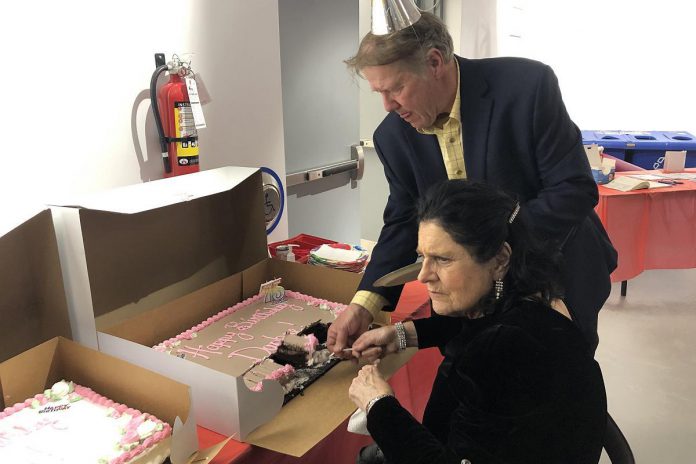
(498, 288)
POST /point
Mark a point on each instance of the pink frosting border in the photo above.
(338, 308)
(93, 397)
(277, 375)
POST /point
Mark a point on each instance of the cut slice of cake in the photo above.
(299, 360)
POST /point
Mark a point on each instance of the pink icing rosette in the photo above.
(284, 371)
(278, 374)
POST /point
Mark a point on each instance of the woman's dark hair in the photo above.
(477, 217)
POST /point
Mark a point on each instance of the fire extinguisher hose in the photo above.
(158, 120)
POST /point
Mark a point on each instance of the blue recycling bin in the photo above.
(644, 148)
(615, 143)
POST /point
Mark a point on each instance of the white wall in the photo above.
(473, 26)
(76, 113)
(621, 64)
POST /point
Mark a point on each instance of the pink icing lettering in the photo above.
(196, 352)
(238, 353)
(276, 307)
(244, 325)
(272, 346)
(58, 425)
(261, 314)
(22, 429)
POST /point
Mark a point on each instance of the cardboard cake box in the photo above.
(146, 262)
(34, 353)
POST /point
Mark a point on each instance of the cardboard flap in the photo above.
(134, 390)
(138, 247)
(159, 193)
(33, 305)
(206, 455)
(256, 408)
(306, 420)
(151, 327)
(186, 440)
(45, 371)
(132, 256)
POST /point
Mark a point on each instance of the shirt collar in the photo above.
(444, 118)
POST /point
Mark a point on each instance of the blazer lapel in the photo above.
(428, 158)
(476, 116)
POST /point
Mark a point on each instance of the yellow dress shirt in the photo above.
(448, 130)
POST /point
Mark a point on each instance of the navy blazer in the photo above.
(517, 136)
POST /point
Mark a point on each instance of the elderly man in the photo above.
(501, 121)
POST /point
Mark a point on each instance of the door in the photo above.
(320, 113)
(325, 111)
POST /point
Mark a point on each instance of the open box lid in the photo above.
(133, 248)
(33, 306)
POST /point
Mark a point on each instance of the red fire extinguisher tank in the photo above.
(178, 123)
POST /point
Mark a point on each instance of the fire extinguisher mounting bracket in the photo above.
(160, 59)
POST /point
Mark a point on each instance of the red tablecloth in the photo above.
(411, 385)
(650, 228)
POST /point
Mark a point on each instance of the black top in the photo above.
(519, 387)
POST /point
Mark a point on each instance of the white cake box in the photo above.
(34, 352)
(145, 262)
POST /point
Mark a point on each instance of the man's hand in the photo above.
(376, 344)
(349, 325)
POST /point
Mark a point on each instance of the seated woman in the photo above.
(518, 383)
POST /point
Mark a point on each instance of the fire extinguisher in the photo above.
(174, 117)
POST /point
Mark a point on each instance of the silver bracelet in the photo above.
(373, 401)
(400, 336)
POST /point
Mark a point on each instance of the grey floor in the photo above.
(647, 352)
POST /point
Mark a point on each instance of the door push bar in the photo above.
(355, 166)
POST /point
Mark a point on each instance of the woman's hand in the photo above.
(376, 343)
(367, 385)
